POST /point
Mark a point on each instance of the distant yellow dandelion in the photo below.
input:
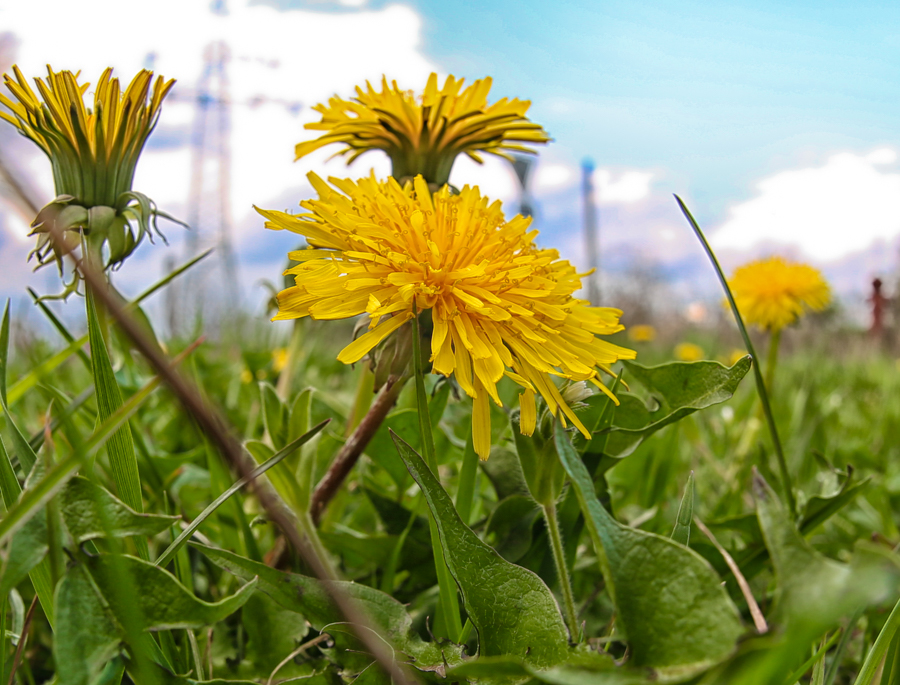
(279, 359)
(642, 332)
(773, 293)
(499, 305)
(735, 356)
(424, 134)
(688, 352)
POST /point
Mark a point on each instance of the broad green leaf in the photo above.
(273, 632)
(275, 414)
(679, 389)
(86, 636)
(381, 448)
(812, 592)
(28, 548)
(582, 669)
(308, 597)
(162, 602)
(29, 545)
(511, 523)
(120, 446)
(511, 608)
(90, 512)
(682, 532)
(678, 619)
(35, 496)
(505, 473)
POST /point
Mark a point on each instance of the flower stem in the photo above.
(349, 454)
(760, 384)
(466, 492)
(562, 573)
(446, 584)
(772, 358)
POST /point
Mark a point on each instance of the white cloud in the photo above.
(828, 211)
(551, 177)
(276, 58)
(623, 188)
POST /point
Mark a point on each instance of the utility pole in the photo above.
(523, 166)
(591, 230)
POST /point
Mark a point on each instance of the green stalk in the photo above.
(772, 359)
(879, 648)
(562, 573)
(466, 493)
(760, 383)
(446, 584)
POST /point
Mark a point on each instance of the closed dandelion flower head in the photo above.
(93, 150)
(424, 134)
(773, 293)
(500, 305)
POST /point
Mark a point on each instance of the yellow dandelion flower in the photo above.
(499, 305)
(688, 352)
(773, 293)
(642, 332)
(93, 150)
(424, 134)
(279, 359)
(246, 376)
(735, 356)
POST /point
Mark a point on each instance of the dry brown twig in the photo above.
(214, 425)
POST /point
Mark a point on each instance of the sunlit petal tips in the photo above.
(499, 304)
(773, 293)
(423, 134)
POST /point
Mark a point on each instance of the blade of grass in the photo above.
(120, 447)
(36, 496)
(838, 655)
(794, 677)
(757, 372)
(41, 576)
(466, 493)
(172, 549)
(879, 648)
(446, 584)
(24, 384)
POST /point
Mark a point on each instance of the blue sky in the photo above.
(777, 122)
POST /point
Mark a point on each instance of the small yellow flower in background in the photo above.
(279, 359)
(773, 293)
(94, 152)
(500, 305)
(688, 352)
(735, 356)
(424, 134)
(642, 332)
(246, 376)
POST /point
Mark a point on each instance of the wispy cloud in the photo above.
(828, 211)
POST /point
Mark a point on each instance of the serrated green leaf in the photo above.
(381, 448)
(162, 602)
(511, 524)
(308, 597)
(511, 608)
(91, 512)
(677, 616)
(679, 389)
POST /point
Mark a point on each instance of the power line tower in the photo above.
(209, 203)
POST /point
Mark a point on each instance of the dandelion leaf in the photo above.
(511, 608)
(677, 617)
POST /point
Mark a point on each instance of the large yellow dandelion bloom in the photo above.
(424, 134)
(500, 305)
(94, 151)
(773, 293)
